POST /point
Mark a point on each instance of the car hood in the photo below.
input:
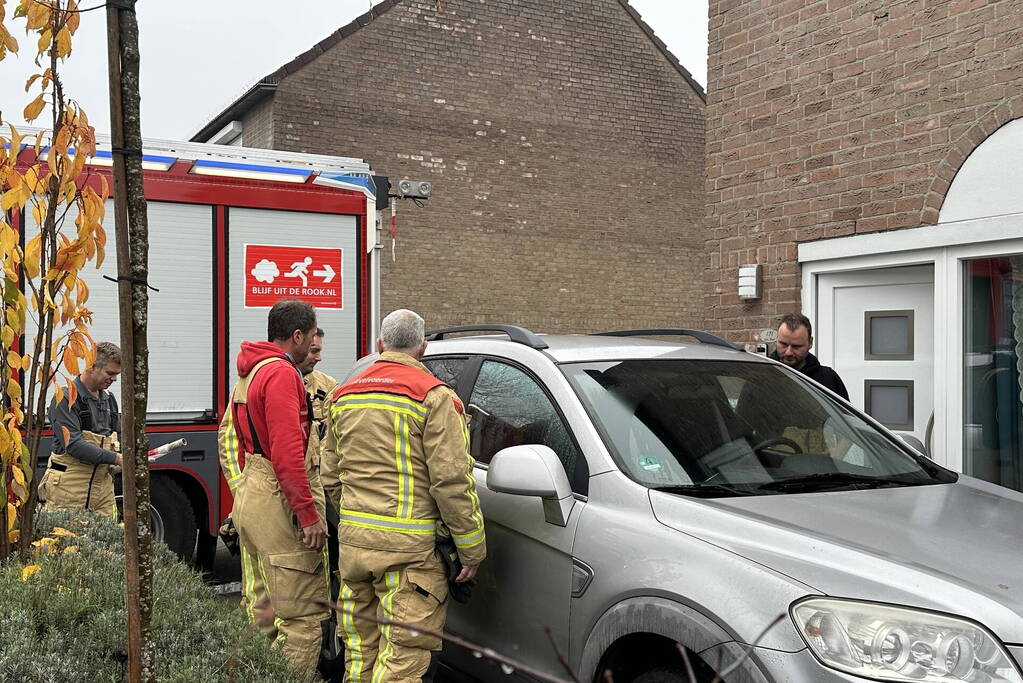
(955, 548)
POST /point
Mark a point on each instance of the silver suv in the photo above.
(643, 494)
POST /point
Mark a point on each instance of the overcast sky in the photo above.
(199, 55)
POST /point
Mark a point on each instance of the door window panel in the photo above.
(890, 402)
(508, 408)
(446, 370)
(992, 425)
(888, 335)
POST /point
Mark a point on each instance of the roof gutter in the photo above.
(237, 109)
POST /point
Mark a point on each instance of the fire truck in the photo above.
(231, 231)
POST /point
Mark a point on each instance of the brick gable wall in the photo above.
(566, 154)
(828, 118)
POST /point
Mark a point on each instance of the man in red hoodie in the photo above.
(280, 522)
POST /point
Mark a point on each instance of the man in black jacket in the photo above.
(795, 337)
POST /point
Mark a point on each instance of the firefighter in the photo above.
(406, 473)
(280, 519)
(317, 385)
(85, 442)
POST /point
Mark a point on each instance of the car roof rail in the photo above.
(700, 336)
(519, 335)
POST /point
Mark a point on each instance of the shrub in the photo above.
(64, 617)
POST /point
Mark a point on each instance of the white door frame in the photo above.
(946, 246)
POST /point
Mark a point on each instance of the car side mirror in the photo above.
(533, 470)
(914, 443)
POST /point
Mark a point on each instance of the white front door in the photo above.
(875, 328)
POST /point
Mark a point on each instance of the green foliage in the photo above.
(64, 616)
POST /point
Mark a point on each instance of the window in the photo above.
(993, 384)
(446, 369)
(508, 408)
(735, 428)
(888, 335)
(890, 402)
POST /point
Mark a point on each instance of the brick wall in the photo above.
(257, 125)
(566, 154)
(828, 118)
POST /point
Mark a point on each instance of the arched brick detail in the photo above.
(997, 116)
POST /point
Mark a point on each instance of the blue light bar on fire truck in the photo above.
(150, 162)
(233, 169)
(348, 181)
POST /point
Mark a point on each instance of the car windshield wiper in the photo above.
(705, 490)
(830, 480)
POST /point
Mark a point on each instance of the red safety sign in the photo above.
(274, 272)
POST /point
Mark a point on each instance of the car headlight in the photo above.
(889, 643)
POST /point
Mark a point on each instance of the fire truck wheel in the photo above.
(173, 520)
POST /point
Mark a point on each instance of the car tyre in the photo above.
(172, 517)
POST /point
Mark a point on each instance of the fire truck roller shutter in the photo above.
(180, 314)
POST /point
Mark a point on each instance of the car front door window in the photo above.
(508, 408)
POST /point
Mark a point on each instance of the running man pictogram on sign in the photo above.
(274, 272)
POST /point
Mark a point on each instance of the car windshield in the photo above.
(727, 428)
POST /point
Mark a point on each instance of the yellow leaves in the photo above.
(14, 359)
(74, 17)
(9, 200)
(32, 255)
(70, 362)
(18, 484)
(12, 515)
(38, 15)
(39, 211)
(46, 544)
(29, 571)
(61, 531)
(8, 240)
(34, 108)
(7, 42)
(14, 389)
(63, 43)
(45, 40)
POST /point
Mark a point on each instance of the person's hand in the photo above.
(467, 574)
(314, 536)
(117, 459)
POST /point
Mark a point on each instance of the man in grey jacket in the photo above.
(85, 441)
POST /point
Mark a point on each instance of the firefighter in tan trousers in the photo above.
(400, 437)
(280, 523)
(85, 441)
(318, 385)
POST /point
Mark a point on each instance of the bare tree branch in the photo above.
(484, 652)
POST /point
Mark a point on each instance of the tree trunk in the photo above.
(133, 272)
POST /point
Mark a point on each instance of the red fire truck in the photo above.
(231, 231)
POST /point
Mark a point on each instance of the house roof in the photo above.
(672, 59)
(268, 84)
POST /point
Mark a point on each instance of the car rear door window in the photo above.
(447, 369)
(509, 408)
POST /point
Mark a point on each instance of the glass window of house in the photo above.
(992, 423)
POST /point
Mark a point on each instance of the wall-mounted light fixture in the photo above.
(749, 282)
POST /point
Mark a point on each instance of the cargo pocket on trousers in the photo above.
(424, 604)
(295, 583)
(49, 477)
